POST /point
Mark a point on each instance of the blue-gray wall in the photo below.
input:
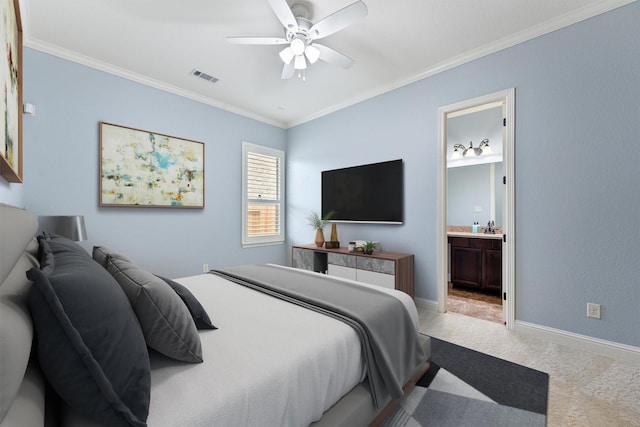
(61, 159)
(577, 168)
(577, 165)
(11, 194)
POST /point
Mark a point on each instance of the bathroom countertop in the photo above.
(473, 235)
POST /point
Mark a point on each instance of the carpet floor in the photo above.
(464, 387)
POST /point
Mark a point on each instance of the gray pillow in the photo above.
(198, 313)
(89, 343)
(100, 254)
(165, 320)
(45, 255)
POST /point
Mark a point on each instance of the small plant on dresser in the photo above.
(318, 223)
(368, 247)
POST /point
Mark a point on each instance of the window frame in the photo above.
(275, 239)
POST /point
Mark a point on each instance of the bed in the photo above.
(263, 359)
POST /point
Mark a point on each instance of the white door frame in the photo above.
(507, 98)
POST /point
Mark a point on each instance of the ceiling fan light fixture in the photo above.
(298, 46)
(300, 34)
(312, 53)
(299, 63)
(287, 55)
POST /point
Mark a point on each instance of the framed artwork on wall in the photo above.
(10, 91)
(147, 169)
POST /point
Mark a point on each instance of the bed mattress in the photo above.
(269, 363)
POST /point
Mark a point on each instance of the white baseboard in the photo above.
(558, 336)
(427, 304)
(581, 342)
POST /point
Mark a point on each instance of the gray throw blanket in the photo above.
(388, 336)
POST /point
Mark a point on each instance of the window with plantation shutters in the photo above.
(263, 195)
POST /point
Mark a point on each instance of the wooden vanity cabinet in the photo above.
(493, 267)
(476, 263)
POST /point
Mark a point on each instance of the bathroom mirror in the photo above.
(473, 180)
(474, 194)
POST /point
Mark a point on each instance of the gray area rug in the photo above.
(464, 387)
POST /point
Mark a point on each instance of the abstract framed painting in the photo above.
(139, 168)
(10, 91)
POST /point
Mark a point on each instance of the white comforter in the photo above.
(270, 363)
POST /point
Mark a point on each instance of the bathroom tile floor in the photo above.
(585, 389)
(475, 304)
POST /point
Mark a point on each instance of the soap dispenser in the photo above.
(474, 228)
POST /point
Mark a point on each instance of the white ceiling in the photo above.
(159, 42)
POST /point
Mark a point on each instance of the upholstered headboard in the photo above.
(22, 391)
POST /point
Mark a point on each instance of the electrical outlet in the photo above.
(593, 310)
(205, 268)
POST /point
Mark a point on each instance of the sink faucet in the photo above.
(490, 228)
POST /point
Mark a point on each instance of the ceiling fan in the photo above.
(300, 34)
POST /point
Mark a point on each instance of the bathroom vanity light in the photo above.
(460, 151)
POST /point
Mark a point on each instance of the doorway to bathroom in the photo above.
(476, 208)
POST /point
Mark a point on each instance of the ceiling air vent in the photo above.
(203, 76)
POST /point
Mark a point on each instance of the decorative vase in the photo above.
(333, 242)
(319, 238)
(334, 233)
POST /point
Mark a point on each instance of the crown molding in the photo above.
(142, 79)
(504, 43)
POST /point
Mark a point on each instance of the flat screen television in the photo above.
(372, 193)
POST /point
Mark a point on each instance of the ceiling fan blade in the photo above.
(288, 71)
(333, 56)
(339, 20)
(283, 12)
(257, 40)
